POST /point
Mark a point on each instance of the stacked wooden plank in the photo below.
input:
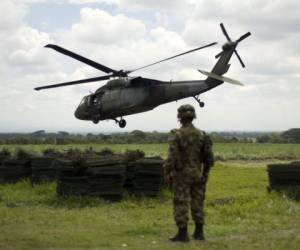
(71, 177)
(102, 175)
(145, 177)
(284, 175)
(42, 169)
(106, 177)
(13, 170)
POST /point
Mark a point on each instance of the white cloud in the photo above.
(20, 44)
(79, 2)
(98, 26)
(93, 1)
(12, 16)
(268, 20)
(136, 5)
(26, 47)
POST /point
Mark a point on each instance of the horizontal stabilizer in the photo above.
(221, 78)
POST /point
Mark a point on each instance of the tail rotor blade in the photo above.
(231, 45)
(240, 59)
(244, 37)
(225, 32)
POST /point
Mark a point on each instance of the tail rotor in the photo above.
(233, 43)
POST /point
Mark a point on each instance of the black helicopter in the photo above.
(125, 95)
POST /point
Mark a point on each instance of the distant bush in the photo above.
(291, 135)
(4, 154)
(106, 151)
(133, 155)
(22, 154)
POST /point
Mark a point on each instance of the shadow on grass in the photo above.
(291, 192)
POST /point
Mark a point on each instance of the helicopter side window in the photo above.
(94, 101)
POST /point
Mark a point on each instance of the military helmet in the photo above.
(186, 111)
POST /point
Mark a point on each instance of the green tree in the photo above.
(292, 135)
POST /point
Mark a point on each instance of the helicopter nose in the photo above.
(77, 113)
(80, 113)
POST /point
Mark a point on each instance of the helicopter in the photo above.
(124, 95)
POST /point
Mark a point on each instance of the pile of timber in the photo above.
(284, 175)
(109, 177)
(42, 169)
(145, 177)
(71, 177)
(13, 170)
(106, 177)
(98, 176)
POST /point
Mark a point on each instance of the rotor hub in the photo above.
(228, 46)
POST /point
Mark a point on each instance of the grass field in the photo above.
(223, 151)
(240, 213)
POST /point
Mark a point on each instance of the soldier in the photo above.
(189, 160)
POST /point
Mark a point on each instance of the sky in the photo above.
(127, 34)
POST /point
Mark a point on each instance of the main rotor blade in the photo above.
(94, 79)
(169, 58)
(81, 58)
(240, 59)
(244, 36)
(225, 32)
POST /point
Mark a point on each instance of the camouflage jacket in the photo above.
(190, 153)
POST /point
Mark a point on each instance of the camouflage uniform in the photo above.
(189, 160)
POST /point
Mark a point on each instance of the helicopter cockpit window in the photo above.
(88, 100)
(82, 101)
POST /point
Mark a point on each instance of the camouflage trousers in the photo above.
(185, 194)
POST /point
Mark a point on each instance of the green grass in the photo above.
(223, 151)
(240, 214)
(255, 151)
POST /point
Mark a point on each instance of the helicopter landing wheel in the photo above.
(122, 123)
(201, 104)
(95, 120)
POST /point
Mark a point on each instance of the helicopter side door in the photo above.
(133, 98)
(111, 100)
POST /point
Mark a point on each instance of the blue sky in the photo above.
(50, 17)
(127, 34)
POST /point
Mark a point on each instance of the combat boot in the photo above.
(198, 233)
(182, 235)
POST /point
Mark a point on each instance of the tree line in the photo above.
(138, 136)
